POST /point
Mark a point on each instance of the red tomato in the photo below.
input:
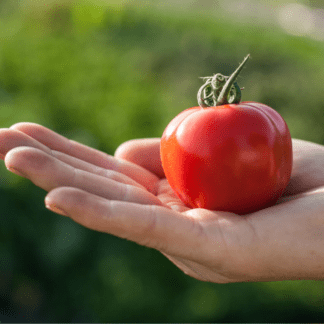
(233, 157)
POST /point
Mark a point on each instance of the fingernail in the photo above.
(17, 171)
(56, 209)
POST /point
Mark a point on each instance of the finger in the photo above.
(48, 173)
(10, 139)
(45, 139)
(308, 167)
(144, 152)
(15, 139)
(85, 166)
(150, 225)
(18, 160)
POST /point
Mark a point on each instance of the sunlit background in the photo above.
(103, 72)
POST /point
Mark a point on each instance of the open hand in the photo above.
(128, 196)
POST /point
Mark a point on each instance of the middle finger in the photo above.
(48, 173)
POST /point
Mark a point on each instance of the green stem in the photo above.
(222, 98)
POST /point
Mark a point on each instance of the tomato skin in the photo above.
(234, 157)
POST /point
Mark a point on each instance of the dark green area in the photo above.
(104, 75)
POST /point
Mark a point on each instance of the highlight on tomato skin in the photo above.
(229, 157)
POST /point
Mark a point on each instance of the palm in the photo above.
(238, 235)
(167, 196)
(128, 196)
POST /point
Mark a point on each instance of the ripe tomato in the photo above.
(232, 157)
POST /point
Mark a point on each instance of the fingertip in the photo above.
(143, 152)
(36, 131)
(22, 125)
(67, 197)
(25, 157)
(123, 150)
(10, 158)
(9, 139)
(127, 149)
(57, 194)
(56, 200)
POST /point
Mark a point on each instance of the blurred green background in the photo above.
(103, 72)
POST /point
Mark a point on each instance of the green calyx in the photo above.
(220, 89)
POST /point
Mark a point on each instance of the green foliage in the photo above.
(102, 74)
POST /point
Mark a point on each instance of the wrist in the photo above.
(290, 242)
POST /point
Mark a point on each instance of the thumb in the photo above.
(143, 152)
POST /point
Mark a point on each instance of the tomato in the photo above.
(231, 157)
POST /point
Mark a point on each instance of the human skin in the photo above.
(128, 196)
